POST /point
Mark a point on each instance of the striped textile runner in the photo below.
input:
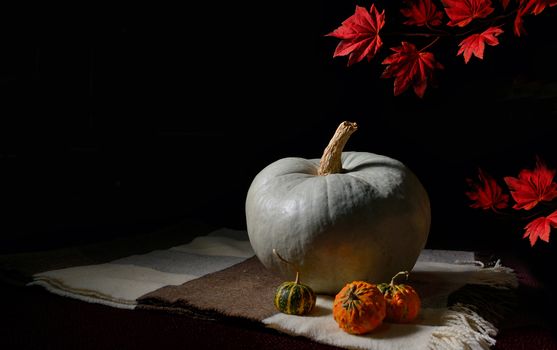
(217, 275)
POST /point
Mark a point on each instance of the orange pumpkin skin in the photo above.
(403, 302)
(359, 307)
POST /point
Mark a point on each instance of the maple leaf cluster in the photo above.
(361, 34)
(532, 189)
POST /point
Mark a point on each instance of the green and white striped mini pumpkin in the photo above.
(294, 298)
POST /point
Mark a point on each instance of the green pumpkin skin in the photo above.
(294, 298)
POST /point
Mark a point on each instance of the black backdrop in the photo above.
(117, 121)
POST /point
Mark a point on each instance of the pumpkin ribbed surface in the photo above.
(359, 307)
(294, 298)
(349, 216)
(403, 302)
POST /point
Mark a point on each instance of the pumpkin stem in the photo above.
(398, 274)
(331, 162)
(352, 296)
(350, 299)
(289, 263)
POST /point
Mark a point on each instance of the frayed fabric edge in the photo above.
(497, 276)
(463, 328)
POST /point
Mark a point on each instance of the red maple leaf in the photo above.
(532, 186)
(543, 4)
(462, 12)
(540, 228)
(475, 43)
(519, 24)
(526, 7)
(410, 67)
(486, 193)
(536, 7)
(359, 35)
(422, 13)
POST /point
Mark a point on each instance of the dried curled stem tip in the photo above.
(398, 274)
(331, 162)
(280, 257)
(289, 263)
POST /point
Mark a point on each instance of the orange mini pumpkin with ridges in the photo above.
(359, 307)
(403, 302)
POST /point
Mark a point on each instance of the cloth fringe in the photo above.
(493, 304)
(470, 262)
(497, 276)
(463, 328)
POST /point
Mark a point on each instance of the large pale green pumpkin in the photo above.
(368, 221)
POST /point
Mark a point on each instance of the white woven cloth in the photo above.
(121, 282)
(437, 327)
(436, 275)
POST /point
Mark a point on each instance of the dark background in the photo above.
(118, 121)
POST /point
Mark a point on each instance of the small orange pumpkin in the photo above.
(403, 302)
(359, 307)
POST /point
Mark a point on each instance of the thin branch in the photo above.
(430, 44)
(426, 35)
